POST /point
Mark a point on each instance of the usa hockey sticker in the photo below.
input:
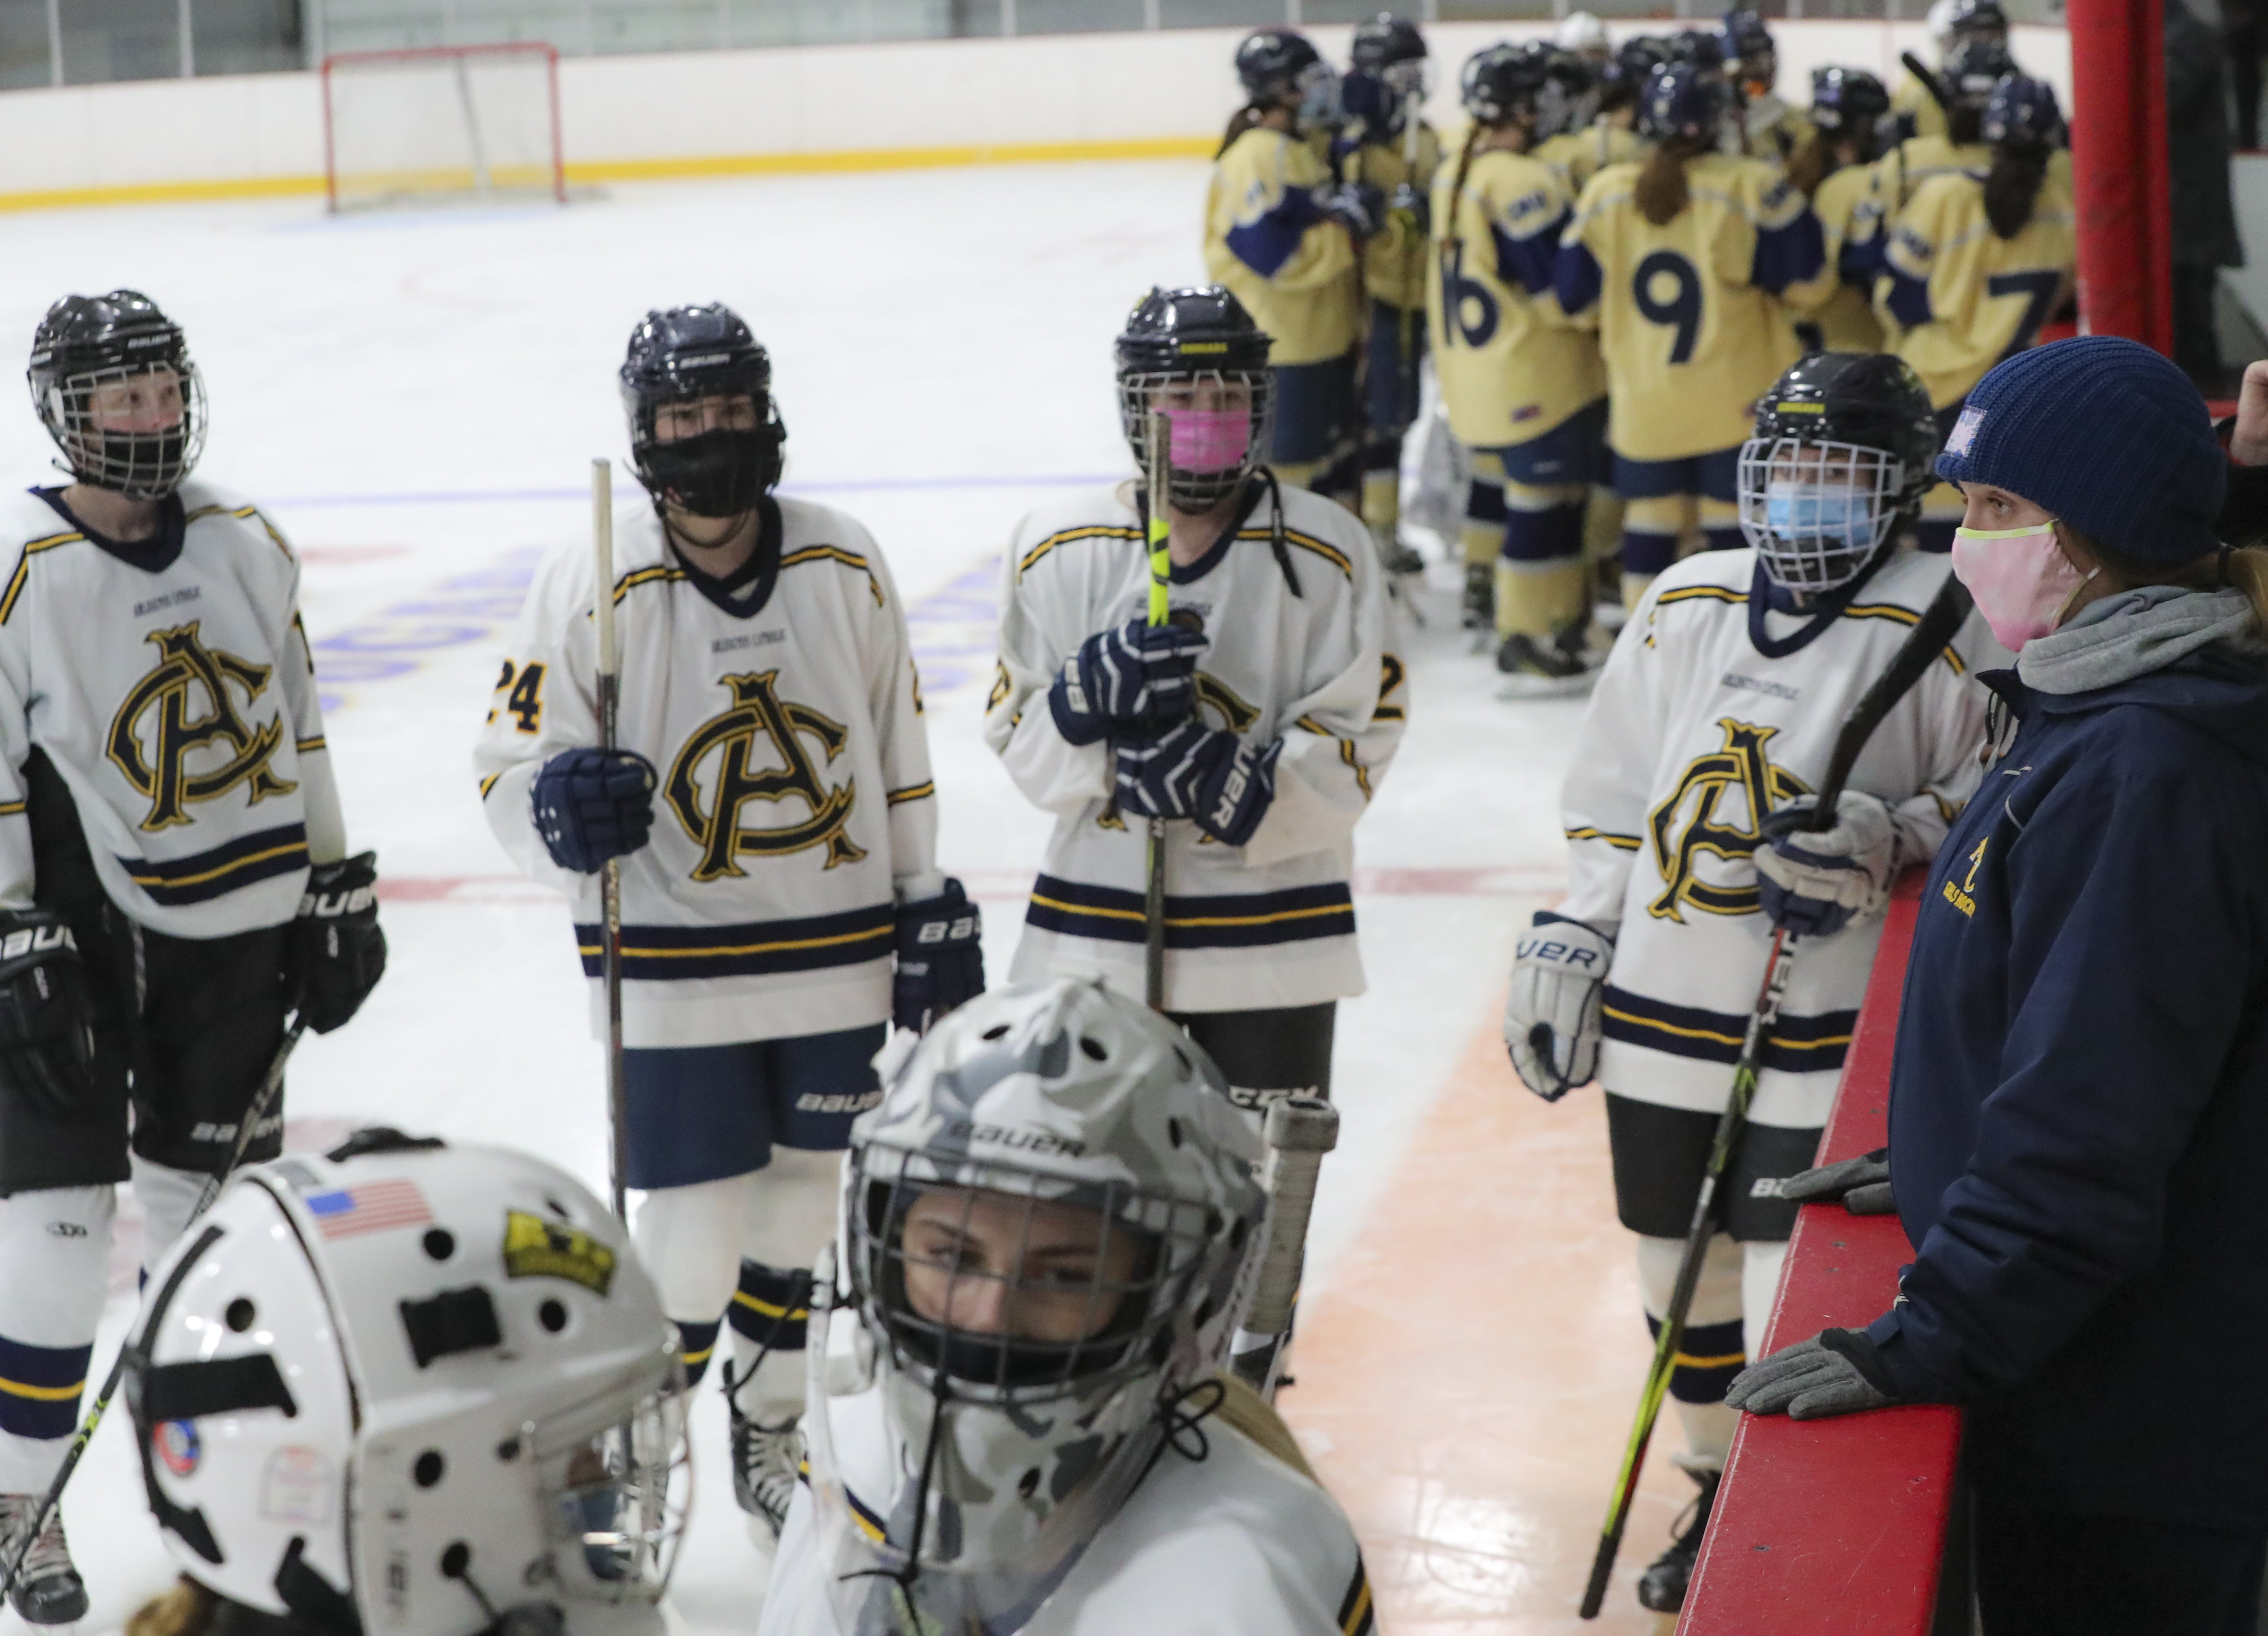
(368, 1207)
(179, 1446)
(1964, 431)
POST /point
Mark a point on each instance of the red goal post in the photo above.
(442, 122)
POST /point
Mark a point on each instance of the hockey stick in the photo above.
(255, 1114)
(1915, 655)
(1300, 1131)
(610, 873)
(1929, 80)
(1161, 568)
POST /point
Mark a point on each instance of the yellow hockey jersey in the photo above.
(1915, 98)
(1394, 262)
(1510, 367)
(1576, 156)
(1846, 319)
(1265, 239)
(1694, 317)
(1962, 297)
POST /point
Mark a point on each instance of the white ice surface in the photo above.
(417, 399)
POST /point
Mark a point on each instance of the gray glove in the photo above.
(1863, 1184)
(1835, 1371)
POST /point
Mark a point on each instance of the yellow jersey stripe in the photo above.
(489, 784)
(836, 554)
(220, 871)
(1626, 842)
(913, 792)
(1700, 593)
(1192, 920)
(305, 745)
(661, 571)
(10, 809)
(1096, 531)
(1825, 1043)
(1330, 554)
(641, 952)
(23, 568)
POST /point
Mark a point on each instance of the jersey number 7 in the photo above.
(1684, 306)
(2038, 289)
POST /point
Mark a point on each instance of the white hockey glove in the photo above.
(1552, 1017)
(1817, 882)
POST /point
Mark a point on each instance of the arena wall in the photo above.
(809, 108)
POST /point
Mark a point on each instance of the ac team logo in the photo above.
(186, 704)
(1691, 820)
(711, 781)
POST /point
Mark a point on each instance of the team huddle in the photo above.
(984, 1256)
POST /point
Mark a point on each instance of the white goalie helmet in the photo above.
(1051, 1225)
(412, 1390)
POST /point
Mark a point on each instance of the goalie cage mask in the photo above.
(1194, 352)
(113, 358)
(684, 354)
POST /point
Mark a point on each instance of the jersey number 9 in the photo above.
(1458, 293)
(1683, 307)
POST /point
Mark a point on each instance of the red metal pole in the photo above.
(2118, 158)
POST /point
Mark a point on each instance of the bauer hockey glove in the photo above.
(940, 958)
(47, 1016)
(1835, 1371)
(1863, 1184)
(333, 952)
(1815, 882)
(1138, 676)
(592, 805)
(1223, 782)
(1551, 1016)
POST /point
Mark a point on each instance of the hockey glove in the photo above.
(940, 958)
(1356, 206)
(1191, 770)
(1835, 1371)
(592, 805)
(335, 954)
(1817, 882)
(47, 1017)
(1137, 676)
(1551, 1016)
(1863, 1184)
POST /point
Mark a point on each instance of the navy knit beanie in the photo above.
(2104, 433)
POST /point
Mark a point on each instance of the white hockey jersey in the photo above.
(1268, 923)
(1691, 735)
(174, 692)
(1236, 1544)
(794, 809)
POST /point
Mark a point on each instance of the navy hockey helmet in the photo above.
(1388, 68)
(1505, 80)
(1195, 354)
(1848, 103)
(112, 382)
(1842, 453)
(683, 356)
(1386, 41)
(1683, 102)
(1749, 41)
(1976, 64)
(2022, 112)
(1979, 18)
(1626, 75)
(1703, 48)
(1278, 68)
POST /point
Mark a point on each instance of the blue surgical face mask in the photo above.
(1836, 515)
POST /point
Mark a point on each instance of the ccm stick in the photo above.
(1920, 649)
(255, 1117)
(1161, 567)
(611, 874)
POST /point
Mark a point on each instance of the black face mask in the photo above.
(713, 474)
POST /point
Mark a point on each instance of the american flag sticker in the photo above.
(1964, 431)
(368, 1207)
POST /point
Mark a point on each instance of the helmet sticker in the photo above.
(296, 1487)
(179, 1446)
(537, 1248)
(369, 1207)
(1964, 431)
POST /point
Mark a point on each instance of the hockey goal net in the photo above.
(442, 123)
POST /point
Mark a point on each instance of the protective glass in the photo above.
(134, 430)
(614, 1486)
(1206, 462)
(1816, 512)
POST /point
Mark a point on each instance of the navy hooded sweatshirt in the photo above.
(2078, 1104)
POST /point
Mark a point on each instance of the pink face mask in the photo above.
(2022, 582)
(1208, 439)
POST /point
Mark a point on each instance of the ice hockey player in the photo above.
(1766, 127)
(1602, 105)
(771, 805)
(1690, 266)
(1971, 70)
(1052, 1222)
(1260, 721)
(1718, 706)
(175, 874)
(1833, 169)
(1524, 389)
(1387, 144)
(410, 1388)
(1920, 106)
(1288, 240)
(1977, 263)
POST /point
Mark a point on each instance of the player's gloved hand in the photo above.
(1138, 676)
(47, 1017)
(1835, 1371)
(940, 958)
(1357, 206)
(333, 952)
(1190, 770)
(1863, 1184)
(591, 805)
(1411, 207)
(1551, 1016)
(1815, 882)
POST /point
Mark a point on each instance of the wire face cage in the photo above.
(1816, 512)
(442, 124)
(1219, 423)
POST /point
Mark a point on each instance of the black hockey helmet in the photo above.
(1385, 40)
(1269, 62)
(1685, 101)
(1984, 19)
(1506, 79)
(1703, 48)
(1632, 65)
(1976, 64)
(84, 354)
(1843, 453)
(1848, 103)
(1191, 339)
(1388, 68)
(684, 354)
(2022, 112)
(1747, 37)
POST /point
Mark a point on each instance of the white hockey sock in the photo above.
(168, 1197)
(1760, 1270)
(688, 1238)
(1711, 1351)
(54, 1274)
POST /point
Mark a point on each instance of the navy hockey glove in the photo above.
(1356, 206)
(1863, 1184)
(1190, 770)
(47, 1017)
(1815, 883)
(592, 805)
(1138, 676)
(1835, 1371)
(940, 958)
(335, 954)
